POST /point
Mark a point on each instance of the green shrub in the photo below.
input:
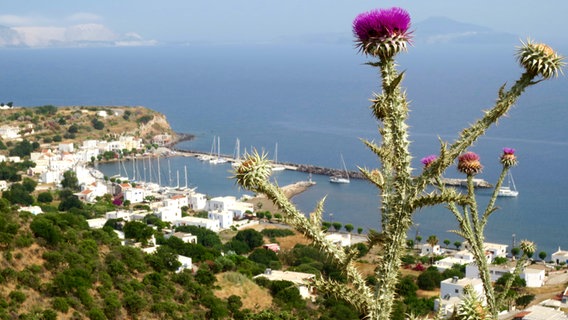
(60, 304)
(17, 296)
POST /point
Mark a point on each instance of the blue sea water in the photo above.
(313, 101)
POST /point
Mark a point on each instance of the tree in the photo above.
(432, 241)
(359, 230)
(70, 180)
(418, 239)
(45, 197)
(542, 255)
(18, 194)
(525, 300)
(337, 225)
(251, 237)
(457, 244)
(348, 227)
(138, 231)
(515, 251)
(447, 242)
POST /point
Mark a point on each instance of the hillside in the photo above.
(78, 123)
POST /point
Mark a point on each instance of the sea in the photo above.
(313, 101)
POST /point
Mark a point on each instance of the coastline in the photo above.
(264, 204)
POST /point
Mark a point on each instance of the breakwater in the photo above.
(312, 169)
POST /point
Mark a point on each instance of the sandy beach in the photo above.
(290, 191)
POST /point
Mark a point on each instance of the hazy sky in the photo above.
(264, 20)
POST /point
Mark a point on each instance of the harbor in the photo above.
(319, 170)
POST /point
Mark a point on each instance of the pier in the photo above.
(313, 169)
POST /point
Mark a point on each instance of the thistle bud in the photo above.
(540, 59)
(508, 158)
(528, 247)
(427, 161)
(382, 33)
(469, 164)
(253, 171)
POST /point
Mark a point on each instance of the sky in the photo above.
(230, 21)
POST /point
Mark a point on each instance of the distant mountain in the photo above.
(9, 37)
(438, 30)
(82, 35)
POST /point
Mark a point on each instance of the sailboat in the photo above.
(238, 160)
(208, 157)
(275, 165)
(219, 159)
(338, 178)
(510, 190)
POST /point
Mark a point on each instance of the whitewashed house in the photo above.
(197, 201)
(35, 210)
(9, 132)
(134, 194)
(97, 223)
(230, 204)
(3, 185)
(130, 143)
(302, 281)
(460, 257)
(452, 292)
(212, 225)
(340, 239)
(560, 256)
(168, 214)
(183, 236)
(534, 276)
(50, 176)
(176, 201)
(225, 218)
(492, 249)
(66, 147)
(427, 249)
(186, 263)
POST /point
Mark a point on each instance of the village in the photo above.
(172, 204)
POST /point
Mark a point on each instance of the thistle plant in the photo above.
(381, 35)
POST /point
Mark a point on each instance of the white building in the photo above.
(185, 263)
(9, 132)
(452, 292)
(340, 239)
(533, 275)
(3, 185)
(134, 195)
(197, 201)
(212, 225)
(539, 312)
(460, 257)
(225, 218)
(426, 249)
(176, 201)
(168, 214)
(492, 249)
(560, 256)
(35, 210)
(302, 281)
(184, 236)
(97, 223)
(66, 147)
(229, 203)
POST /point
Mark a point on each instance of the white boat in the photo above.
(218, 159)
(338, 178)
(510, 190)
(238, 160)
(275, 165)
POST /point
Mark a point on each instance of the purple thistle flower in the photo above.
(469, 164)
(427, 161)
(508, 151)
(381, 23)
(508, 158)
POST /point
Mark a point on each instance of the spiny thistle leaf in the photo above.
(316, 216)
(373, 176)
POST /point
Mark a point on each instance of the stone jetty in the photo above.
(308, 168)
